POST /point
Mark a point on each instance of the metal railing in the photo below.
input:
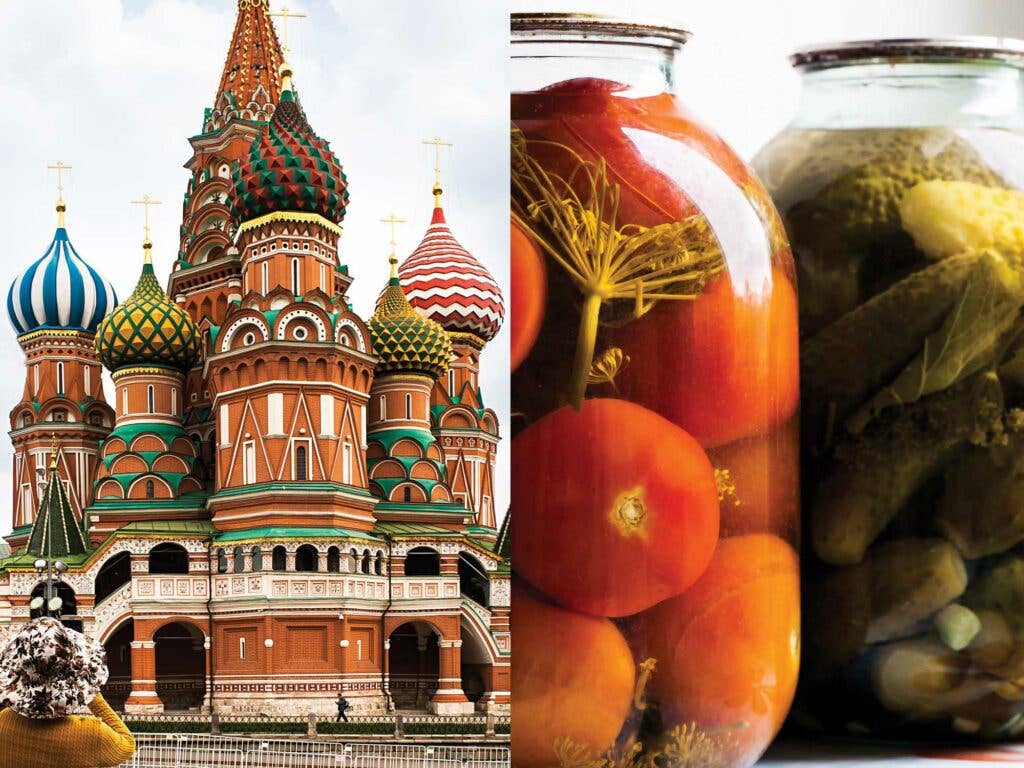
(399, 725)
(204, 751)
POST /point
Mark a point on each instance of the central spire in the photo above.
(251, 71)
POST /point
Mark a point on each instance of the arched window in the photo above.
(150, 399)
(279, 559)
(306, 558)
(168, 558)
(257, 558)
(26, 419)
(423, 561)
(296, 288)
(150, 489)
(239, 559)
(451, 382)
(333, 560)
(408, 406)
(60, 378)
(407, 494)
(300, 463)
(353, 557)
(222, 561)
(265, 276)
(366, 561)
(378, 564)
(383, 404)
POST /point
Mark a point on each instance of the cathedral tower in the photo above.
(290, 367)
(149, 466)
(447, 284)
(55, 306)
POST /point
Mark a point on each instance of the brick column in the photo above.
(449, 699)
(143, 696)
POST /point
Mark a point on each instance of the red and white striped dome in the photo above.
(444, 282)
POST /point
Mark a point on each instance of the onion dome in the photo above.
(404, 340)
(148, 328)
(59, 290)
(289, 168)
(446, 283)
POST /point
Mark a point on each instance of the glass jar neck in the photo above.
(644, 70)
(912, 94)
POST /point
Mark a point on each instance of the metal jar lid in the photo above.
(911, 49)
(593, 28)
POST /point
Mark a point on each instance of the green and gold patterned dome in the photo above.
(404, 340)
(147, 329)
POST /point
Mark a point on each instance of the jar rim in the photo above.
(908, 50)
(594, 28)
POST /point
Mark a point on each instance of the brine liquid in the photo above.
(655, 482)
(909, 254)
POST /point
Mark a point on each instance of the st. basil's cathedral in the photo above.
(283, 502)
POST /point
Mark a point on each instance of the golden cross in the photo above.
(145, 202)
(53, 450)
(284, 14)
(393, 220)
(437, 144)
(60, 168)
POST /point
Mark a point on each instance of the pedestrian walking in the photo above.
(342, 709)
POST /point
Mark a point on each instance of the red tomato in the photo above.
(763, 474)
(529, 292)
(728, 649)
(573, 678)
(617, 507)
(723, 367)
(589, 116)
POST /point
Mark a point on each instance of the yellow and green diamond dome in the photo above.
(148, 329)
(404, 340)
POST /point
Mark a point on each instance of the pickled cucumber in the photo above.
(888, 596)
(872, 475)
(853, 357)
(982, 508)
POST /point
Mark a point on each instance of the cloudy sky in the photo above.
(115, 87)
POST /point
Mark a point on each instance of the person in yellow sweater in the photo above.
(48, 671)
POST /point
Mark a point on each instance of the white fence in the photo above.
(202, 751)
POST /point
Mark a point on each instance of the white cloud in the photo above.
(116, 88)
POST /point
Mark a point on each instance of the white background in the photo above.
(116, 88)
(734, 71)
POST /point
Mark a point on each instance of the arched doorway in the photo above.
(476, 665)
(180, 666)
(119, 662)
(473, 581)
(414, 665)
(168, 558)
(113, 575)
(423, 561)
(68, 604)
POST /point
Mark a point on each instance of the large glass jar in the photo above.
(655, 393)
(898, 182)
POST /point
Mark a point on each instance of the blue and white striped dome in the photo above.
(59, 291)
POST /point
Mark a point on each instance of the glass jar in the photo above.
(655, 393)
(898, 181)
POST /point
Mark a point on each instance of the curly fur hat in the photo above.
(48, 670)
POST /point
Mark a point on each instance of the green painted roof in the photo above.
(189, 527)
(129, 432)
(414, 529)
(292, 486)
(56, 532)
(292, 532)
(503, 544)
